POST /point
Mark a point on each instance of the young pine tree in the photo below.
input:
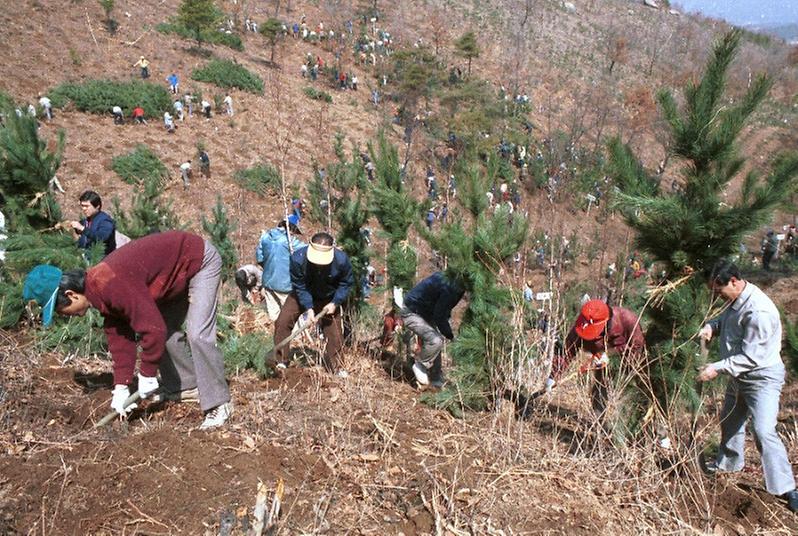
(149, 212)
(198, 16)
(271, 30)
(219, 230)
(689, 230)
(475, 254)
(30, 209)
(26, 168)
(336, 196)
(396, 210)
(467, 47)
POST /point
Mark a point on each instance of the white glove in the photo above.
(550, 383)
(706, 333)
(121, 393)
(328, 309)
(308, 317)
(601, 361)
(147, 386)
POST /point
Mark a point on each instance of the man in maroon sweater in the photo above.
(599, 329)
(148, 289)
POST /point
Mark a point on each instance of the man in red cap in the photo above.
(599, 329)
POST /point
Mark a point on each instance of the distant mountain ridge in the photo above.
(788, 32)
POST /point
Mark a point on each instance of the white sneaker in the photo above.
(420, 372)
(217, 416)
(342, 374)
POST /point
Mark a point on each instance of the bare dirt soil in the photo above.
(360, 456)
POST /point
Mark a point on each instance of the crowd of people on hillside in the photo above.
(159, 294)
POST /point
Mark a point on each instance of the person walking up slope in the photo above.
(749, 333)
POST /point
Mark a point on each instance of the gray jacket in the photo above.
(750, 333)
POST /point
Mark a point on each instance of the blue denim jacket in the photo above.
(274, 255)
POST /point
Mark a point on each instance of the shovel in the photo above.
(135, 397)
(699, 388)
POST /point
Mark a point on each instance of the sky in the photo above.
(742, 12)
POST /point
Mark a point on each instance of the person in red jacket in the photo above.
(599, 329)
(145, 292)
(138, 115)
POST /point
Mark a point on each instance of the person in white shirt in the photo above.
(118, 116)
(189, 103)
(185, 172)
(178, 106)
(47, 106)
(168, 122)
(228, 104)
(750, 333)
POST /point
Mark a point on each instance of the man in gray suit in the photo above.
(749, 331)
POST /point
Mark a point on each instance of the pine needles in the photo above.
(688, 231)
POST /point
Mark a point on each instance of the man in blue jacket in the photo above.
(321, 278)
(426, 311)
(274, 255)
(97, 226)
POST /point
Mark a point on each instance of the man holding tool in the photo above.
(599, 329)
(749, 333)
(145, 292)
(321, 278)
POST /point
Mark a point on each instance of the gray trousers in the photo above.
(431, 342)
(186, 174)
(755, 394)
(192, 358)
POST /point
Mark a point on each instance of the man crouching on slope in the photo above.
(148, 289)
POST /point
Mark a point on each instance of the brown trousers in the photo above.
(330, 326)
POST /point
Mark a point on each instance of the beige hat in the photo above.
(320, 254)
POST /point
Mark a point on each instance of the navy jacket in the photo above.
(100, 228)
(324, 284)
(433, 300)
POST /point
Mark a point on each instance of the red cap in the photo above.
(592, 320)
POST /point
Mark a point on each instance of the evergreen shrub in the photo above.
(6, 101)
(214, 37)
(140, 165)
(99, 96)
(315, 94)
(228, 74)
(246, 351)
(260, 178)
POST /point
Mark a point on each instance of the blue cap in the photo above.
(42, 285)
